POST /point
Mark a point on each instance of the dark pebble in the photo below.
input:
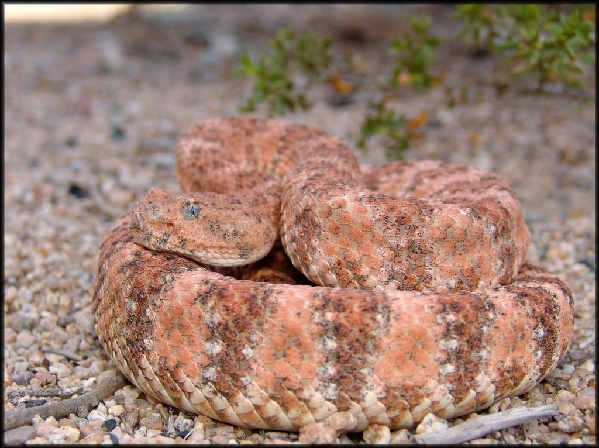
(118, 133)
(77, 191)
(196, 37)
(110, 424)
(480, 53)
(354, 36)
(341, 99)
(11, 281)
(71, 141)
(184, 433)
(588, 262)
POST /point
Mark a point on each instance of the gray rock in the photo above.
(21, 378)
(19, 435)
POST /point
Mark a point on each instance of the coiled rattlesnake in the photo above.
(447, 319)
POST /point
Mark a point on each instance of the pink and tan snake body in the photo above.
(426, 304)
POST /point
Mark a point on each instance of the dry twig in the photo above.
(99, 201)
(479, 426)
(57, 351)
(46, 392)
(60, 409)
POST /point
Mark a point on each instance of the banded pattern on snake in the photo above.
(425, 303)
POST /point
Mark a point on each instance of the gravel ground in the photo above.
(92, 115)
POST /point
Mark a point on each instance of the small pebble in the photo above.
(78, 191)
(19, 435)
(400, 437)
(35, 383)
(377, 434)
(116, 410)
(86, 431)
(22, 378)
(153, 421)
(10, 336)
(44, 376)
(60, 369)
(110, 424)
(71, 141)
(118, 133)
(431, 423)
(183, 434)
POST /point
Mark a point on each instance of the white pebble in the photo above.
(377, 434)
(431, 423)
(588, 366)
(116, 410)
(60, 369)
(97, 415)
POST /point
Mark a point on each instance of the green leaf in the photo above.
(248, 65)
(567, 65)
(554, 28)
(574, 44)
(533, 58)
(587, 59)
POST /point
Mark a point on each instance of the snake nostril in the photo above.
(192, 211)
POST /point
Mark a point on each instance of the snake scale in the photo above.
(425, 303)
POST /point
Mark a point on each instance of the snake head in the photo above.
(211, 228)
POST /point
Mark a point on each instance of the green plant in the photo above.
(479, 20)
(534, 38)
(387, 123)
(553, 49)
(277, 74)
(308, 58)
(415, 54)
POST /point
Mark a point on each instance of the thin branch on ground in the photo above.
(61, 409)
(69, 355)
(99, 201)
(478, 427)
(46, 392)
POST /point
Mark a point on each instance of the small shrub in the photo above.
(414, 54)
(387, 123)
(297, 62)
(277, 74)
(535, 39)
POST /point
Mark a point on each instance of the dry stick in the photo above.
(479, 426)
(99, 201)
(60, 409)
(46, 392)
(57, 351)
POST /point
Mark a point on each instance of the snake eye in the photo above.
(191, 211)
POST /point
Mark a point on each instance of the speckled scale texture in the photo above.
(447, 319)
